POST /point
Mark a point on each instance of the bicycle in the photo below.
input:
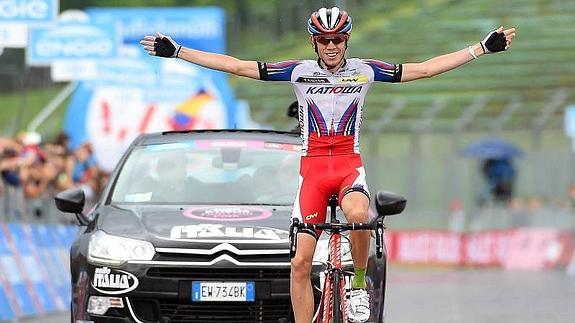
(332, 307)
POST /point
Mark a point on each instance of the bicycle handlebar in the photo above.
(376, 224)
(336, 226)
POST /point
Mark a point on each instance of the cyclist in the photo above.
(330, 93)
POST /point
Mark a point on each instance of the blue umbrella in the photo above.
(492, 148)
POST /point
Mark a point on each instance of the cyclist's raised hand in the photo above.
(497, 40)
(164, 46)
(161, 45)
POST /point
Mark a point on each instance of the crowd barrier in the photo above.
(34, 269)
(513, 249)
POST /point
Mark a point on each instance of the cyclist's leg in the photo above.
(354, 197)
(310, 206)
(354, 202)
(355, 207)
(300, 283)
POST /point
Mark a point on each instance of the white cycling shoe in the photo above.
(358, 306)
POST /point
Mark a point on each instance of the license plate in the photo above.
(223, 291)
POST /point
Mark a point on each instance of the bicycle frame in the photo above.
(334, 282)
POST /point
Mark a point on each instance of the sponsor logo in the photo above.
(219, 231)
(229, 143)
(89, 47)
(358, 79)
(32, 9)
(333, 89)
(311, 216)
(227, 213)
(303, 79)
(113, 282)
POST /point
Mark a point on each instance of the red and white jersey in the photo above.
(330, 104)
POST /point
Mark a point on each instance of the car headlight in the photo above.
(322, 251)
(112, 250)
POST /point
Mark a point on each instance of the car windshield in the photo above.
(210, 172)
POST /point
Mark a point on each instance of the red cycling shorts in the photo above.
(323, 176)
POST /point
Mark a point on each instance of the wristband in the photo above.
(472, 52)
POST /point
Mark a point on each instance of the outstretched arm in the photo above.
(498, 40)
(164, 46)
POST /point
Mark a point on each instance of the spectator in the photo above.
(10, 162)
(500, 176)
(457, 216)
(31, 151)
(32, 172)
(63, 142)
(85, 170)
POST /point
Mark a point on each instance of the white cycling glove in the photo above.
(494, 42)
(165, 46)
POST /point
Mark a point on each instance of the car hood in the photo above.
(182, 226)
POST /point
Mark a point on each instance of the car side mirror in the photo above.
(388, 203)
(72, 201)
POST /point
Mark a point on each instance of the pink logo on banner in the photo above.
(227, 213)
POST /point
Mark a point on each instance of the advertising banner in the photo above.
(533, 249)
(13, 35)
(60, 237)
(72, 41)
(201, 28)
(130, 99)
(54, 278)
(30, 265)
(8, 305)
(73, 70)
(426, 246)
(6, 312)
(13, 267)
(34, 269)
(134, 93)
(512, 249)
(29, 12)
(488, 248)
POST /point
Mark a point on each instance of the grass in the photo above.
(17, 110)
